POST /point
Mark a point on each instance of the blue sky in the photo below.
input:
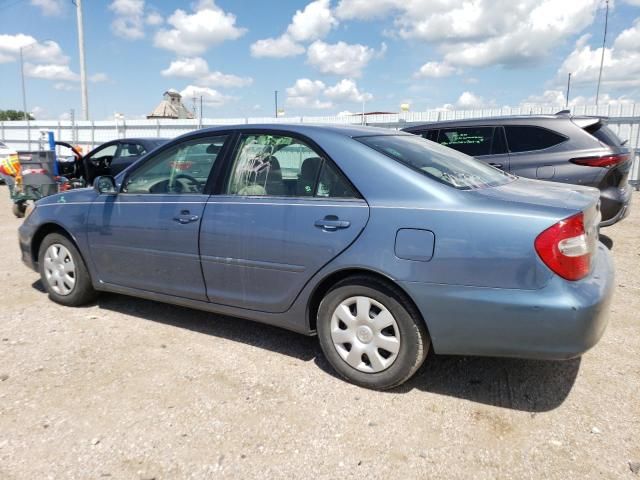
(324, 57)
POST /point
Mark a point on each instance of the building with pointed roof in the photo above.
(171, 107)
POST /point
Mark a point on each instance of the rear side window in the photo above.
(604, 134)
(473, 141)
(431, 135)
(521, 138)
(131, 150)
(283, 166)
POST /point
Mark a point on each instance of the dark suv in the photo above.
(559, 148)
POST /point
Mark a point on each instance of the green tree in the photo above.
(12, 115)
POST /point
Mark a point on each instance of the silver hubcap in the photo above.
(365, 334)
(59, 269)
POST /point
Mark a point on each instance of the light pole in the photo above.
(276, 99)
(566, 105)
(83, 68)
(604, 41)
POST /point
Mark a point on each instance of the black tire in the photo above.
(82, 291)
(414, 340)
(19, 209)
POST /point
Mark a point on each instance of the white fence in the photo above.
(623, 119)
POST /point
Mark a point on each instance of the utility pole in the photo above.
(566, 105)
(83, 69)
(276, 93)
(200, 111)
(604, 40)
(24, 101)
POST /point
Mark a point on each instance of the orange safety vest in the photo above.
(10, 165)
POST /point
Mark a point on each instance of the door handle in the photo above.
(331, 223)
(186, 217)
(497, 165)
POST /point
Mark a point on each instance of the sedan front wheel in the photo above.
(63, 272)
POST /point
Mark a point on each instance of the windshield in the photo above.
(435, 161)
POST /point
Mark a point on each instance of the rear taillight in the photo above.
(606, 161)
(564, 248)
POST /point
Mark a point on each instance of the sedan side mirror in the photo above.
(105, 184)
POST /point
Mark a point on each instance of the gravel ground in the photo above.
(131, 389)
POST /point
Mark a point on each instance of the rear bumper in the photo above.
(614, 204)
(562, 320)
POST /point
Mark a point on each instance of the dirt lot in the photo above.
(133, 389)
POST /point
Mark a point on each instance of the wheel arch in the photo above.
(44, 230)
(334, 277)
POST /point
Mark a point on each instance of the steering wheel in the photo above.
(101, 162)
(196, 183)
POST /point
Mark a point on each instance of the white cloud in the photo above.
(193, 34)
(314, 22)
(279, 47)
(481, 33)
(129, 20)
(621, 68)
(435, 70)
(346, 90)
(38, 112)
(468, 101)
(209, 96)
(48, 51)
(548, 98)
(556, 98)
(306, 93)
(366, 9)
(49, 7)
(339, 58)
(50, 72)
(198, 69)
(99, 77)
(65, 87)
(154, 19)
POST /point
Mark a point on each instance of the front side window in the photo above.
(183, 168)
(521, 138)
(106, 153)
(474, 141)
(283, 166)
(437, 162)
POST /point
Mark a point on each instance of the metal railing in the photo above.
(623, 119)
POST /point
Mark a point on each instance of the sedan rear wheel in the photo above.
(371, 333)
(365, 334)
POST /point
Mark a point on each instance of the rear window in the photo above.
(521, 138)
(437, 162)
(604, 134)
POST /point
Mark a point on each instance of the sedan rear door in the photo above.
(268, 233)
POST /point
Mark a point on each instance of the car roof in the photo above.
(143, 139)
(309, 129)
(504, 120)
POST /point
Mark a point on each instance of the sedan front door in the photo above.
(146, 236)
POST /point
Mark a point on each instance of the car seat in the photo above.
(308, 176)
